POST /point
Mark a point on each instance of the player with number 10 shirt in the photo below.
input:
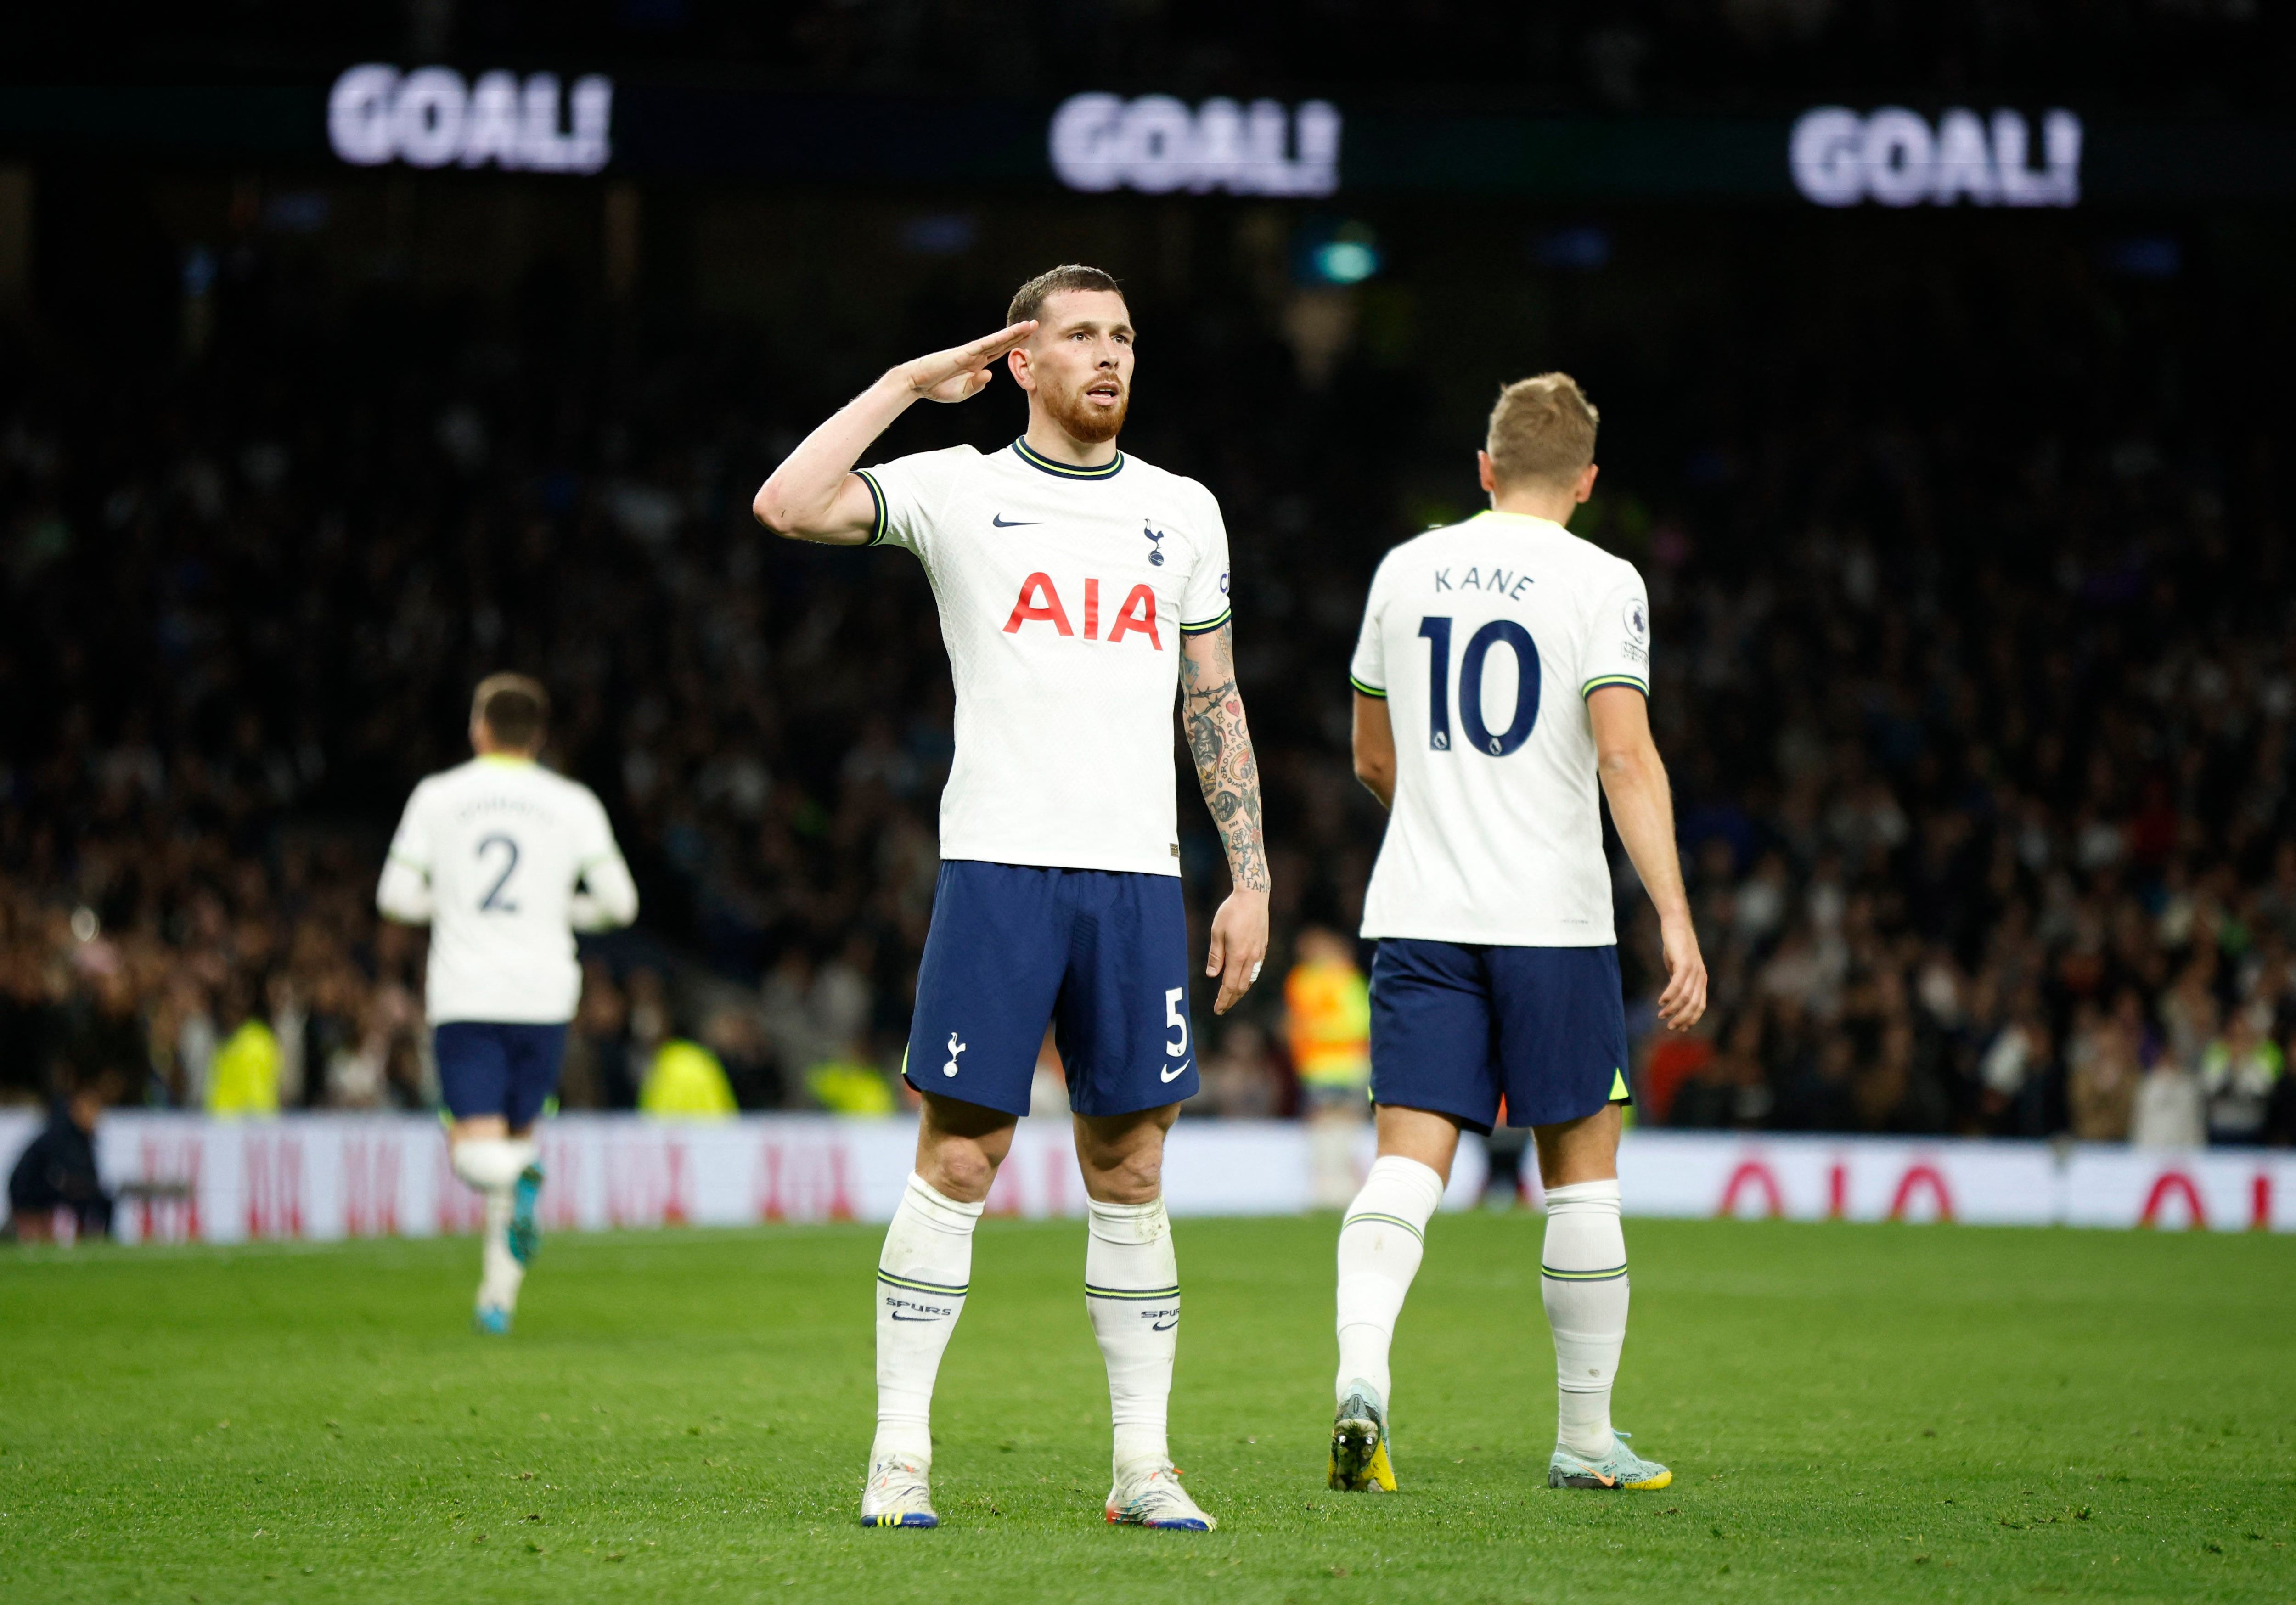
(1080, 589)
(1501, 681)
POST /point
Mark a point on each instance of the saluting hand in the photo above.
(962, 372)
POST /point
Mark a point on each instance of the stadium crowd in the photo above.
(1972, 671)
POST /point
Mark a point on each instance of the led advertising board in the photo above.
(1156, 145)
(431, 118)
(443, 118)
(1895, 157)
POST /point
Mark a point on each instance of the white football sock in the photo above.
(922, 1274)
(1132, 1291)
(1582, 1281)
(492, 1165)
(500, 1275)
(1380, 1242)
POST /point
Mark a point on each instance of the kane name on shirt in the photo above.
(1486, 638)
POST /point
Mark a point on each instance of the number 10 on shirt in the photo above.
(1436, 631)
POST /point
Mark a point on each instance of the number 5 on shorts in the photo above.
(1176, 1017)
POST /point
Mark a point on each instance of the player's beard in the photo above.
(1082, 421)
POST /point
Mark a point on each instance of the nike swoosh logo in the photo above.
(1165, 1326)
(1002, 522)
(1172, 1075)
(898, 1316)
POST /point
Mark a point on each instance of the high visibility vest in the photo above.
(244, 1079)
(686, 1082)
(849, 1087)
(1328, 1010)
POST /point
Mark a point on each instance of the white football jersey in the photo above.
(1063, 594)
(504, 842)
(1486, 639)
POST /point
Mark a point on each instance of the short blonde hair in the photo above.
(1543, 428)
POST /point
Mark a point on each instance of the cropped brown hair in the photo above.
(514, 708)
(1029, 300)
(1543, 428)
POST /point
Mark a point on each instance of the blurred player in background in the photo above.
(504, 861)
(1078, 588)
(1504, 667)
(1328, 1025)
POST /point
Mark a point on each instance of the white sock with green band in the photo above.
(1132, 1291)
(922, 1274)
(1381, 1242)
(1583, 1283)
(492, 1166)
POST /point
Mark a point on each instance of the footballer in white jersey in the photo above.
(1501, 680)
(1081, 591)
(504, 861)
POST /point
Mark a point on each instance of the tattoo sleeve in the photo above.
(1211, 712)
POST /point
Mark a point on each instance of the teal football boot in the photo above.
(525, 1225)
(1621, 1468)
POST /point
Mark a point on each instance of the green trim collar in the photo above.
(1066, 471)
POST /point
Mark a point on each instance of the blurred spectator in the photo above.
(785, 1006)
(849, 1086)
(2170, 1111)
(686, 1082)
(733, 1032)
(2104, 1072)
(1706, 1089)
(1674, 1058)
(57, 1171)
(2012, 1074)
(597, 1071)
(2240, 1071)
(245, 1076)
(843, 996)
(1239, 1079)
(1328, 1025)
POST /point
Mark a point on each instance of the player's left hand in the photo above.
(1684, 1000)
(1239, 945)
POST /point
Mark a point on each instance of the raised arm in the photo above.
(815, 495)
(1642, 808)
(1211, 710)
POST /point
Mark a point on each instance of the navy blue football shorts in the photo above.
(487, 1067)
(1455, 1027)
(1100, 954)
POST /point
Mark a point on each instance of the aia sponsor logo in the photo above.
(1039, 602)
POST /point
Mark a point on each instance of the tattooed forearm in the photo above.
(1211, 711)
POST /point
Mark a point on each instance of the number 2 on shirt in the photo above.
(1436, 631)
(493, 902)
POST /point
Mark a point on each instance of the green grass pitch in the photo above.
(1852, 1411)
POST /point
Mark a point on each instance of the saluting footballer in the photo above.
(1502, 674)
(1079, 588)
